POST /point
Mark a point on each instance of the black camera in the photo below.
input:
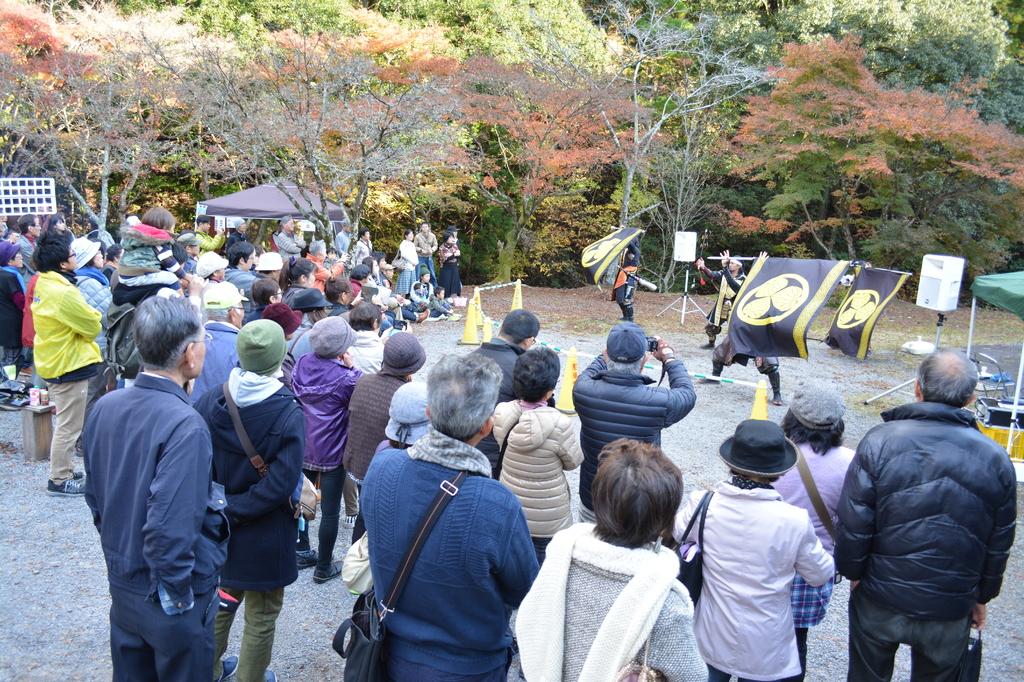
(652, 344)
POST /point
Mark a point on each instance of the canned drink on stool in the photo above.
(33, 397)
(44, 397)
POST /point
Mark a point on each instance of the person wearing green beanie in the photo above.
(261, 347)
(261, 549)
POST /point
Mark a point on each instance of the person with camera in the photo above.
(614, 399)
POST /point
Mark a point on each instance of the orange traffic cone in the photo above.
(569, 376)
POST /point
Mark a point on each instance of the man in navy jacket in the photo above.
(615, 400)
(160, 517)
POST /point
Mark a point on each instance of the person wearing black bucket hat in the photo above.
(754, 544)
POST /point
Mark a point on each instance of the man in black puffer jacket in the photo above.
(926, 522)
(615, 400)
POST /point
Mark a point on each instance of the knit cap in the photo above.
(261, 347)
(288, 319)
(360, 272)
(7, 252)
(331, 337)
(408, 413)
(403, 354)
(817, 406)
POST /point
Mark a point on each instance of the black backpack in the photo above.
(122, 354)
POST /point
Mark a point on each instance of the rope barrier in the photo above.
(696, 375)
(491, 287)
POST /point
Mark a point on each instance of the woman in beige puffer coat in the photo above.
(541, 446)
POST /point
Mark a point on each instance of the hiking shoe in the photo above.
(230, 666)
(306, 558)
(332, 572)
(349, 522)
(68, 488)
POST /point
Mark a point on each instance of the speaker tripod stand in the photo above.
(938, 338)
(688, 305)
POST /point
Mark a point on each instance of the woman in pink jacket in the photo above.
(754, 544)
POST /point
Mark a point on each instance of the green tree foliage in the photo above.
(508, 30)
(251, 20)
(1012, 12)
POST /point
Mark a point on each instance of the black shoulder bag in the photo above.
(364, 651)
(691, 557)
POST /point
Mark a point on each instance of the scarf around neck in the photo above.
(93, 273)
(17, 275)
(437, 448)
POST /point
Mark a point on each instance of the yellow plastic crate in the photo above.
(1001, 435)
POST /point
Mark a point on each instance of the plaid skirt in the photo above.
(406, 278)
(809, 603)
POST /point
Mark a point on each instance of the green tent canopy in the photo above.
(1005, 290)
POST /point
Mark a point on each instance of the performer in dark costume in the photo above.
(724, 356)
(730, 279)
(626, 280)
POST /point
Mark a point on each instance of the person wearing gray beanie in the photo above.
(814, 423)
(403, 354)
(331, 337)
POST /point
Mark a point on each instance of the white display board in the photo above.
(684, 249)
(21, 196)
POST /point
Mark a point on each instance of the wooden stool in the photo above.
(37, 431)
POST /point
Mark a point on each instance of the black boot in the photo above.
(627, 312)
(773, 379)
(716, 371)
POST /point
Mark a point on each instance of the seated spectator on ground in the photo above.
(222, 302)
(357, 278)
(265, 291)
(318, 256)
(814, 423)
(261, 551)
(403, 357)
(338, 291)
(926, 522)
(537, 444)
(241, 259)
(614, 399)
(66, 354)
(441, 309)
(480, 544)
(270, 264)
(368, 350)
(607, 595)
(756, 545)
(517, 334)
(159, 515)
(323, 381)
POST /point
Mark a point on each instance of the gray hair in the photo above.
(163, 328)
(217, 314)
(626, 367)
(461, 393)
(948, 377)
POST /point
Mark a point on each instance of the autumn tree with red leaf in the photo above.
(533, 138)
(888, 174)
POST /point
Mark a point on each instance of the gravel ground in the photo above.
(53, 592)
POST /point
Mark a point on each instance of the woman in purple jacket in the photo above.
(323, 382)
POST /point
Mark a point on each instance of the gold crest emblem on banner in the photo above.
(775, 300)
(857, 308)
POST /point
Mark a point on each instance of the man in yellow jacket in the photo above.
(66, 354)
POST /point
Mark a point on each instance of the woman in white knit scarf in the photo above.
(607, 594)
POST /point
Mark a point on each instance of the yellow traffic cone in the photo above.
(569, 376)
(517, 296)
(760, 409)
(488, 329)
(479, 306)
(469, 331)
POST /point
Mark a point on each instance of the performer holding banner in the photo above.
(625, 281)
(599, 256)
(870, 292)
(777, 304)
(730, 279)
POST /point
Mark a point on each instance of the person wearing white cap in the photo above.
(270, 263)
(95, 289)
(224, 307)
(211, 266)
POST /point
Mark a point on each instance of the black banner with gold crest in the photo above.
(600, 255)
(871, 291)
(777, 304)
